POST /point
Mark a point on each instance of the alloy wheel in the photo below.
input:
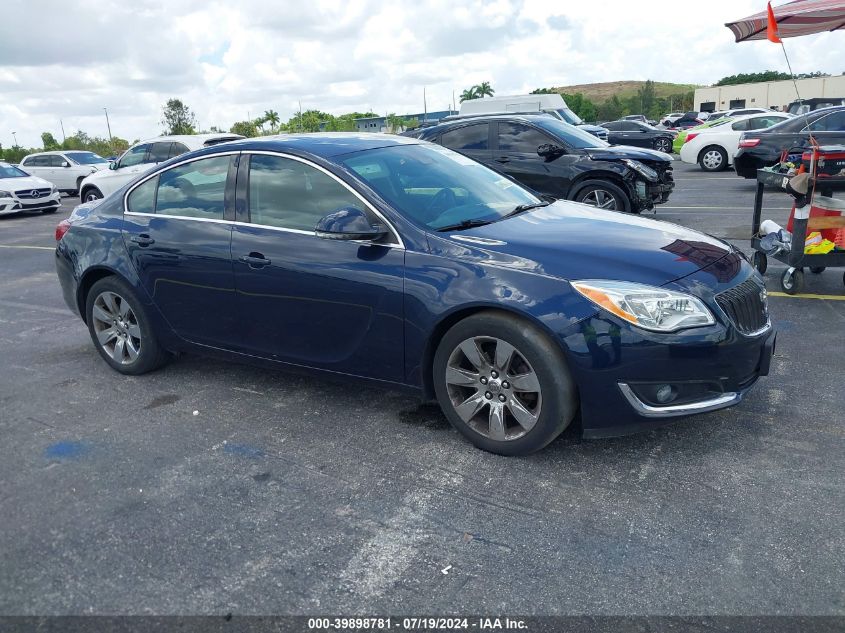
(712, 159)
(663, 145)
(601, 199)
(493, 388)
(91, 196)
(116, 327)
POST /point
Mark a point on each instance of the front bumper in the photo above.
(37, 205)
(645, 194)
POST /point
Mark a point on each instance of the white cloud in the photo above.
(230, 59)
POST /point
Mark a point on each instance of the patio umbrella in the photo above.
(800, 17)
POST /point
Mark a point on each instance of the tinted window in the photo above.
(194, 190)
(176, 149)
(142, 199)
(159, 152)
(134, 156)
(468, 137)
(86, 158)
(763, 122)
(834, 122)
(613, 126)
(56, 161)
(740, 125)
(292, 195)
(515, 137)
(37, 161)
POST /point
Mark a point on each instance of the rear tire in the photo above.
(604, 195)
(121, 329)
(663, 145)
(713, 158)
(510, 392)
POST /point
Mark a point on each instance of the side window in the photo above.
(194, 190)
(143, 198)
(292, 195)
(833, 122)
(30, 162)
(468, 137)
(176, 149)
(56, 161)
(613, 126)
(515, 137)
(159, 152)
(134, 156)
(740, 125)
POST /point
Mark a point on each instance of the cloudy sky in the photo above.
(231, 59)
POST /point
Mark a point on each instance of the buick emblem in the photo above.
(35, 193)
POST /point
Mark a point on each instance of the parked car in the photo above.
(714, 148)
(738, 112)
(666, 119)
(763, 148)
(66, 170)
(142, 157)
(639, 134)
(405, 263)
(681, 135)
(552, 104)
(21, 192)
(561, 161)
(804, 106)
(688, 120)
(639, 117)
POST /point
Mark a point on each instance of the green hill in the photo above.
(600, 92)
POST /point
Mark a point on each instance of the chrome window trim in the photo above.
(702, 406)
(155, 172)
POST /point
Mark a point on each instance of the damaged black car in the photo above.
(560, 161)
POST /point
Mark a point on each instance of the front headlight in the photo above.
(5, 194)
(643, 170)
(648, 307)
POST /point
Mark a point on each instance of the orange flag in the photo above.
(772, 29)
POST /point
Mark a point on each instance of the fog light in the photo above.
(665, 393)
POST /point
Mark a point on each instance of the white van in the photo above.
(550, 103)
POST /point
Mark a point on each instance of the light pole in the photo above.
(14, 135)
(108, 126)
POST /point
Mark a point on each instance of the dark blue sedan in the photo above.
(402, 262)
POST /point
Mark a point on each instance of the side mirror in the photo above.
(113, 165)
(549, 150)
(65, 163)
(348, 223)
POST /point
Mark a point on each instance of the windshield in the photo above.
(571, 135)
(437, 187)
(85, 158)
(569, 116)
(7, 171)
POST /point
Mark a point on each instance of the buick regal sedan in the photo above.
(413, 266)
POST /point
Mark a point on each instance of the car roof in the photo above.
(194, 140)
(323, 144)
(59, 152)
(525, 118)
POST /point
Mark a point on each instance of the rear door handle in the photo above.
(142, 240)
(255, 260)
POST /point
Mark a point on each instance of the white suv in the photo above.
(65, 170)
(142, 157)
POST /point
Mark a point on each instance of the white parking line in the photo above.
(40, 248)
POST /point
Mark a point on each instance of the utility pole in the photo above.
(453, 100)
(425, 107)
(300, 115)
(64, 138)
(15, 136)
(108, 125)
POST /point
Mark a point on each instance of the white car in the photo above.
(21, 192)
(727, 114)
(66, 170)
(714, 148)
(142, 157)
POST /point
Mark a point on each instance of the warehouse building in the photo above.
(769, 94)
(379, 123)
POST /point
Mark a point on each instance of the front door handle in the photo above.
(503, 159)
(142, 240)
(255, 260)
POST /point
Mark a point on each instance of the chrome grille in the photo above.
(746, 305)
(26, 194)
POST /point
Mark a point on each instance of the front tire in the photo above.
(604, 195)
(90, 194)
(121, 328)
(663, 145)
(503, 384)
(713, 158)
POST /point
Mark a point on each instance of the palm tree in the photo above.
(469, 93)
(484, 89)
(272, 117)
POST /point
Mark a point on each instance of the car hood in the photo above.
(591, 128)
(575, 241)
(27, 182)
(618, 152)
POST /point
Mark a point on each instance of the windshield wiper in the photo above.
(525, 207)
(463, 224)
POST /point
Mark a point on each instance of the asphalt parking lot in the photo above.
(214, 488)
